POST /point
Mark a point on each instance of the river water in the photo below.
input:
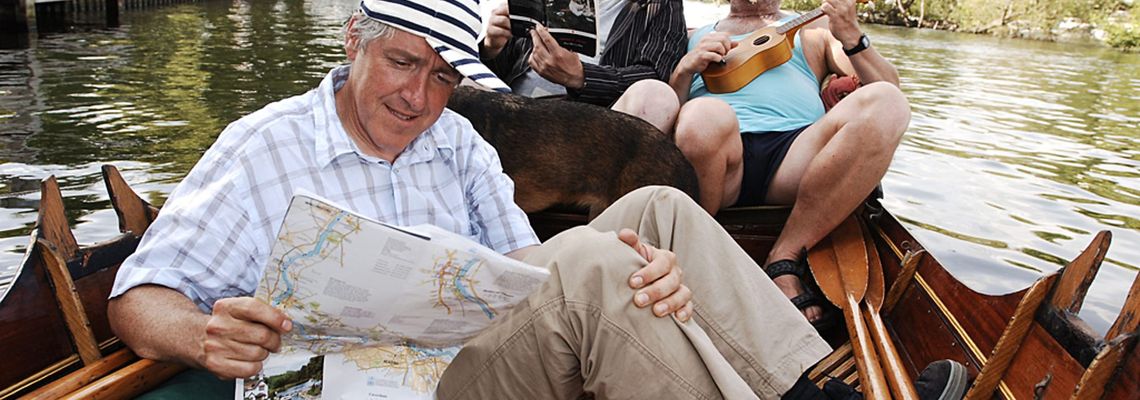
(1018, 151)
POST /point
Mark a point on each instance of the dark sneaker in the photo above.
(942, 380)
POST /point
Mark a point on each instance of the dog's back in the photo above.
(562, 152)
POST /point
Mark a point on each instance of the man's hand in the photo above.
(239, 335)
(553, 62)
(842, 21)
(711, 49)
(659, 282)
(498, 31)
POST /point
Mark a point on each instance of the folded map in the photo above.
(382, 300)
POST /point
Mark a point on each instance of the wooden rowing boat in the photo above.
(56, 343)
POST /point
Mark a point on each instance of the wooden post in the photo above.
(135, 214)
(68, 298)
(113, 8)
(1010, 342)
(18, 16)
(1070, 292)
(52, 219)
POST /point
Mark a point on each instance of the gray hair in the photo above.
(366, 29)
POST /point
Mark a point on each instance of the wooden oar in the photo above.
(839, 263)
(901, 386)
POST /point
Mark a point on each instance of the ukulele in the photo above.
(764, 49)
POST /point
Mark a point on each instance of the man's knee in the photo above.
(661, 195)
(651, 100)
(704, 125)
(593, 266)
(885, 106)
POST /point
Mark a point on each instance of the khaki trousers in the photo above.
(579, 335)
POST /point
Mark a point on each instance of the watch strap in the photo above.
(862, 45)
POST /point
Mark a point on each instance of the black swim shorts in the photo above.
(763, 154)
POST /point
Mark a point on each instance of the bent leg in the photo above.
(708, 134)
(651, 100)
(831, 167)
(580, 333)
(750, 322)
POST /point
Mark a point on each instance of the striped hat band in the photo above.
(451, 27)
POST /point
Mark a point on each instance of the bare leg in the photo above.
(831, 167)
(651, 100)
(709, 137)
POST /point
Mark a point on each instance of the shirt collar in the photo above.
(335, 142)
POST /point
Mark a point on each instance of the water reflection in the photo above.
(1017, 153)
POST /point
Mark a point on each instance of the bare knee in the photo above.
(704, 125)
(883, 108)
(651, 100)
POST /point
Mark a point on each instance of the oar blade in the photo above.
(824, 267)
(851, 255)
(875, 280)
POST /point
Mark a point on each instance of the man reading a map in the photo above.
(616, 319)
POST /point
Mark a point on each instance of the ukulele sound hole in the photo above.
(760, 40)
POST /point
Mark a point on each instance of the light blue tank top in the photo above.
(780, 99)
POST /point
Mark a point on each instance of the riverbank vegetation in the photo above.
(1114, 22)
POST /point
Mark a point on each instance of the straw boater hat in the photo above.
(451, 27)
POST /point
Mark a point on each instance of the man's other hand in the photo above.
(498, 31)
(842, 21)
(658, 283)
(239, 335)
(553, 62)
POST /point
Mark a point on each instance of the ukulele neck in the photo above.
(794, 24)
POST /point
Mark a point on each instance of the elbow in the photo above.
(123, 321)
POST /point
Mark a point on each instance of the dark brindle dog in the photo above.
(562, 152)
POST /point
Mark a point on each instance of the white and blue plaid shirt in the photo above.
(214, 235)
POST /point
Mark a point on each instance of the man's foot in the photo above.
(789, 276)
(792, 287)
(942, 380)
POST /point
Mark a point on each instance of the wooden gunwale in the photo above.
(967, 339)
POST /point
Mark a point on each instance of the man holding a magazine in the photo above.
(633, 47)
(614, 320)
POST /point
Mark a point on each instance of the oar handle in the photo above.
(901, 385)
(866, 361)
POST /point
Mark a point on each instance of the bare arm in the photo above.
(159, 323)
(162, 324)
(868, 65)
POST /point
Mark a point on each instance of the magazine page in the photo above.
(383, 304)
(573, 23)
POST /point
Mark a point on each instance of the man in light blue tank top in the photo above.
(771, 142)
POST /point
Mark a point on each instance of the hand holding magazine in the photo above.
(573, 23)
(373, 304)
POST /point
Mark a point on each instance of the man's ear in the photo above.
(351, 41)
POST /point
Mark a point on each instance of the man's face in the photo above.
(399, 88)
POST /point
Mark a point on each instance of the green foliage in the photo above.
(312, 370)
(1033, 18)
(1125, 34)
(801, 5)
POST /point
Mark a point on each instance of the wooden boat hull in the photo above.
(1027, 344)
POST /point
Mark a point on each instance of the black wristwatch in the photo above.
(863, 44)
